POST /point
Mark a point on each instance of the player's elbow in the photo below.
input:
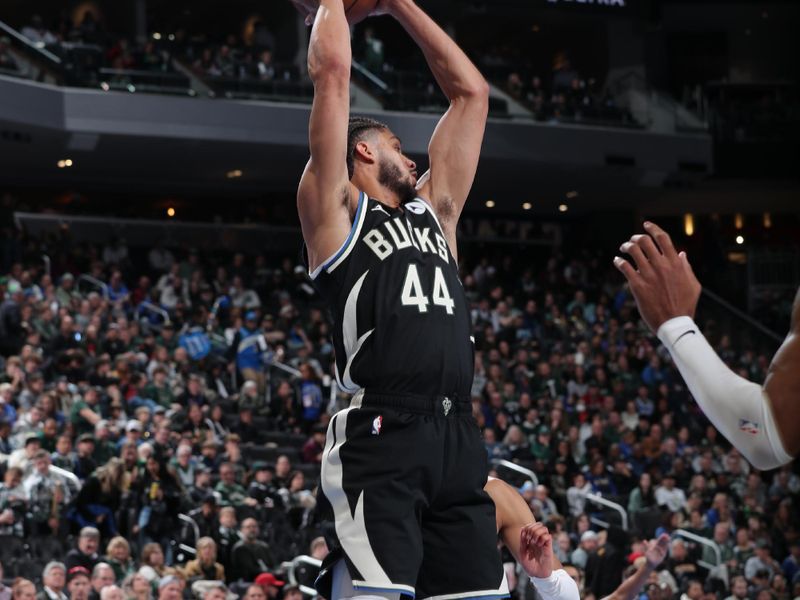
(480, 90)
(476, 92)
(761, 460)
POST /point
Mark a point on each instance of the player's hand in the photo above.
(385, 7)
(307, 9)
(536, 550)
(657, 550)
(663, 282)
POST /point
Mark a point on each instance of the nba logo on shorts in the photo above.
(376, 425)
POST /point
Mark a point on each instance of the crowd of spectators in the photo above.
(564, 96)
(114, 421)
(147, 416)
(88, 40)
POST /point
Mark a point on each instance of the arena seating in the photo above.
(579, 406)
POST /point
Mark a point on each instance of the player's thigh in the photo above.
(460, 555)
(373, 481)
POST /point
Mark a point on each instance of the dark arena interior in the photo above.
(167, 372)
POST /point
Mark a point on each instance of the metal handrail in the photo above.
(23, 40)
(95, 282)
(67, 475)
(742, 315)
(149, 306)
(290, 566)
(144, 74)
(286, 368)
(373, 79)
(612, 505)
(187, 519)
(705, 542)
(499, 462)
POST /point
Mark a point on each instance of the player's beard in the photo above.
(391, 177)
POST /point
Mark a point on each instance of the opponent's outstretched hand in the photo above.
(657, 550)
(536, 550)
(663, 282)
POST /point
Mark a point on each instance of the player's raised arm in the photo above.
(760, 421)
(456, 143)
(324, 194)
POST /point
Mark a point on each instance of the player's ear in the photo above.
(365, 152)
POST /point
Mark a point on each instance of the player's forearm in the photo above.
(329, 50)
(629, 589)
(453, 70)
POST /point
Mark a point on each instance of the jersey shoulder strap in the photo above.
(347, 246)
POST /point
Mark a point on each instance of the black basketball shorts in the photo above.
(402, 479)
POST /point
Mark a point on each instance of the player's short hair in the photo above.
(357, 131)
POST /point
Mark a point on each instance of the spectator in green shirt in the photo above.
(158, 390)
(85, 413)
(231, 493)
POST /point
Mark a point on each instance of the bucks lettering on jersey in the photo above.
(400, 316)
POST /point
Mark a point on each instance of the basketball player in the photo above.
(762, 422)
(532, 546)
(404, 466)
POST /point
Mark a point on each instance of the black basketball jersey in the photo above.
(400, 316)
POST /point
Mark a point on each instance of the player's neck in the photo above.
(373, 189)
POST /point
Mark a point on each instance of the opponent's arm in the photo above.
(513, 515)
(655, 554)
(752, 418)
(455, 147)
(324, 194)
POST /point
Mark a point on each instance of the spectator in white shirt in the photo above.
(670, 496)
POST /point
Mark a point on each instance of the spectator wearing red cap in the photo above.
(270, 584)
(78, 583)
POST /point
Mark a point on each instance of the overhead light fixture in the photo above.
(688, 224)
(767, 221)
(64, 163)
(563, 208)
(170, 212)
(572, 194)
(490, 204)
(526, 206)
(738, 221)
(156, 36)
(233, 174)
(739, 240)
(171, 37)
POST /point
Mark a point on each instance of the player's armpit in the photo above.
(454, 152)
